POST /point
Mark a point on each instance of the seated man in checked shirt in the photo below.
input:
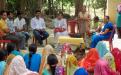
(38, 26)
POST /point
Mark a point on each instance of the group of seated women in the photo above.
(13, 62)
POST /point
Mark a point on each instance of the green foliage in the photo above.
(11, 5)
(97, 4)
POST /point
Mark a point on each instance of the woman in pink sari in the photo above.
(102, 68)
(117, 57)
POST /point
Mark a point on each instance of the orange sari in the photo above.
(90, 60)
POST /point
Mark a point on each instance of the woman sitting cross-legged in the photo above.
(32, 59)
(104, 34)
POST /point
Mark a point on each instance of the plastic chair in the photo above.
(111, 37)
(4, 42)
(72, 27)
(35, 41)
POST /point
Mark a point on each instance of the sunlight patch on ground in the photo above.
(116, 42)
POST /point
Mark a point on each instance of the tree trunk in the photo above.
(39, 4)
(62, 5)
(94, 11)
(78, 5)
(22, 5)
(49, 7)
(2, 5)
(105, 7)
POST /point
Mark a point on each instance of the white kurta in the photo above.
(19, 23)
(38, 23)
(60, 24)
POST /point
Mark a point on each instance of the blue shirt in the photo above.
(35, 62)
(2, 67)
(109, 26)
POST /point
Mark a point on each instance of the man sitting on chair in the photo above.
(104, 34)
(60, 26)
(19, 24)
(10, 23)
(5, 30)
(38, 26)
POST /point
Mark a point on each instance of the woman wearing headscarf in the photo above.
(89, 61)
(11, 54)
(117, 57)
(71, 65)
(81, 71)
(102, 48)
(102, 68)
(110, 59)
(45, 53)
(18, 67)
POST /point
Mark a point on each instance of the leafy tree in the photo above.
(97, 4)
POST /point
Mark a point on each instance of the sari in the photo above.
(102, 68)
(110, 59)
(71, 65)
(81, 71)
(9, 59)
(102, 48)
(2, 67)
(15, 52)
(90, 60)
(30, 62)
(48, 49)
(117, 57)
(18, 67)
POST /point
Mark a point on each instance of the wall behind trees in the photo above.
(112, 9)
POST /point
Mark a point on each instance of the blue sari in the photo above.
(100, 37)
(81, 71)
(2, 67)
(15, 52)
(35, 62)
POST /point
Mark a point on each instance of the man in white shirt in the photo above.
(10, 23)
(38, 26)
(19, 24)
